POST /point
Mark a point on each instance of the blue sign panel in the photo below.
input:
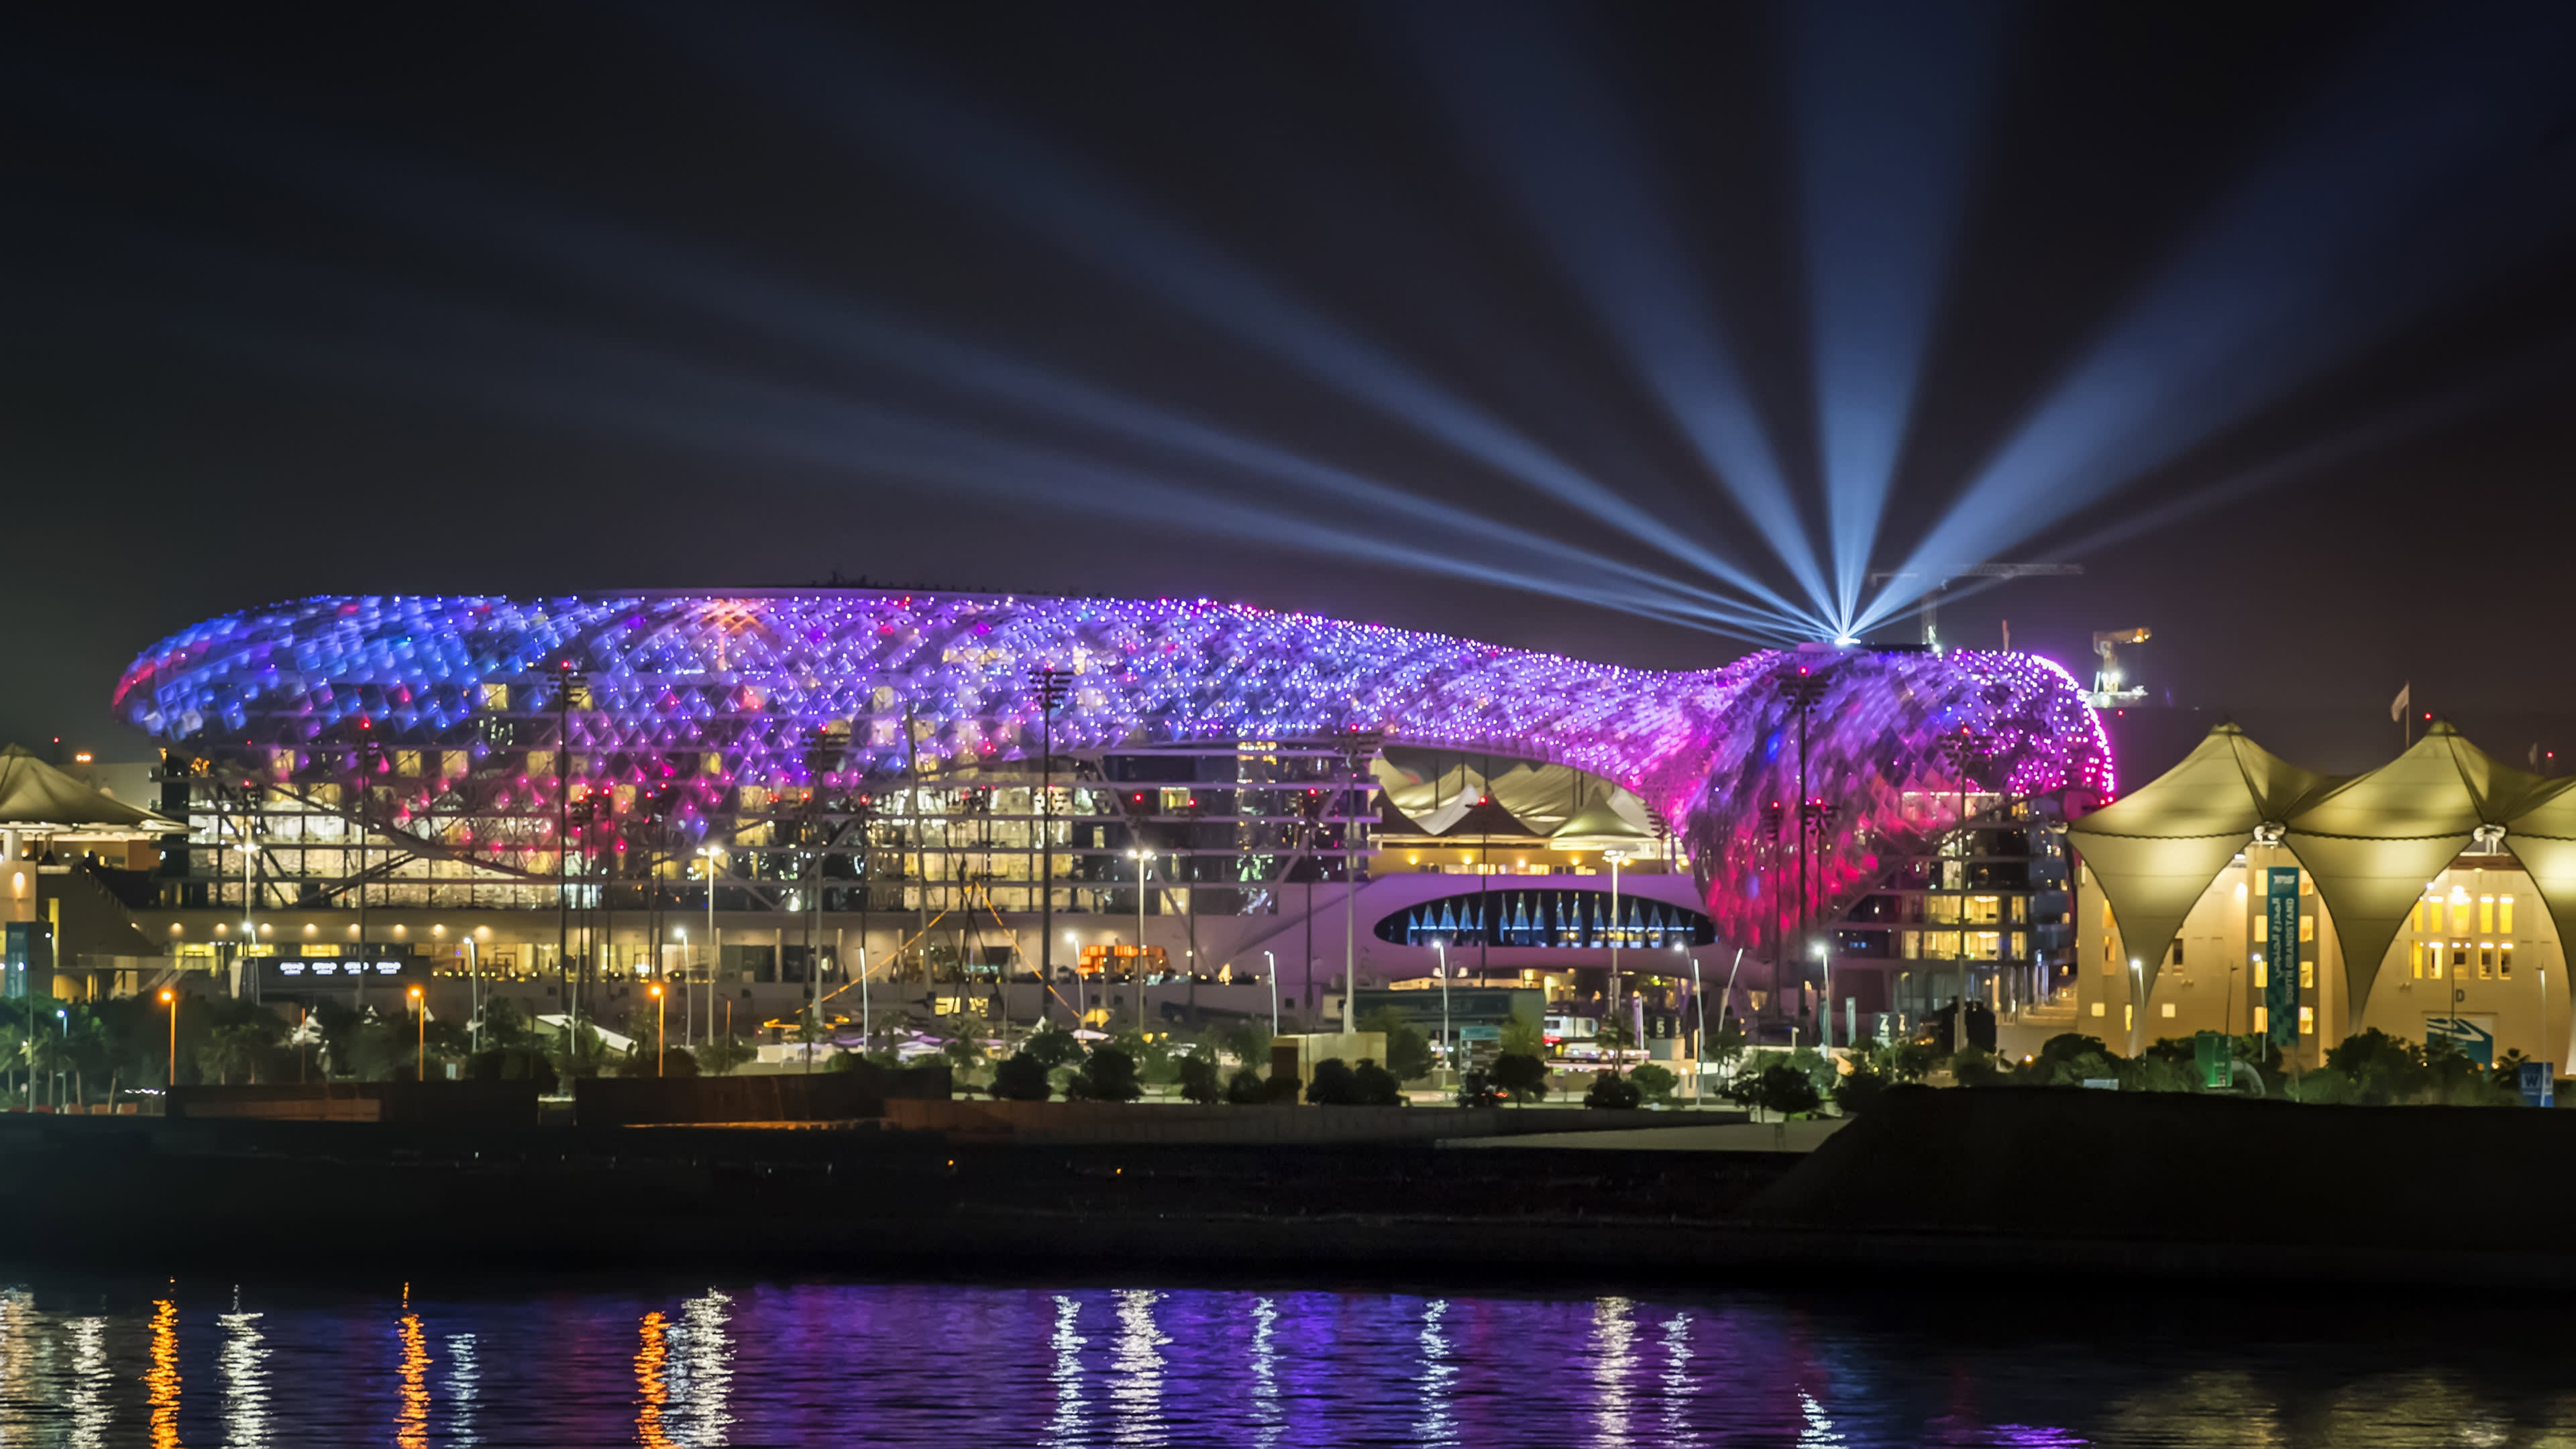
(2540, 1084)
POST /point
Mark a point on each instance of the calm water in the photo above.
(209, 1362)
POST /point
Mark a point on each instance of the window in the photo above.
(2168, 1011)
(2262, 929)
(2504, 914)
(2262, 973)
(2097, 1008)
(2177, 951)
(2504, 960)
(2415, 958)
(2307, 975)
(2459, 959)
(2459, 912)
(2307, 928)
(2262, 1020)
(2486, 960)
(2307, 1021)
(2128, 1018)
(2486, 913)
(2307, 884)
(2435, 957)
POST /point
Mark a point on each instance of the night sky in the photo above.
(538, 299)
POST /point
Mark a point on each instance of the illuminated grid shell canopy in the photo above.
(741, 686)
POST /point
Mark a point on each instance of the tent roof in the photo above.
(2370, 841)
(33, 794)
(2155, 851)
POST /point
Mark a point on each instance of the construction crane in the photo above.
(2110, 683)
(1931, 606)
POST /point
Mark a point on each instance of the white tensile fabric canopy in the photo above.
(2370, 842)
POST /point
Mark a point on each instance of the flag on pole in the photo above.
(2405, 697)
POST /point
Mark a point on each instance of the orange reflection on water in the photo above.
(161, 1381)
(651, 1352)
(411, 1421)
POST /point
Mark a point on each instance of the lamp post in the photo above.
(1699, 1039)
(62, 1034)
(1053, 685)
(2137, 1002)
(1616, 859)
(661, 1034)
(420, 1047)
(1273, 973)
(1442, 946)
(688, 998)
(1142, 859)
(1825, 1008)
(1081, 988)
(170, 999)
(711, 855)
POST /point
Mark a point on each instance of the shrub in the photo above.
(1776, 1087)
(1524, 1076)
(1859, 1091)
(1656, 1083)
(1611, 1091)
(1051, 1046)
(1247, 1087)
(1198, 1079)
(517, 1064)
(1408, 1051)
(1332, 1085)
(2156, 1074)
(1375, 1086)
(1972, 1067)
(1107, 1075)
(723, 1054)
(1021, 1078)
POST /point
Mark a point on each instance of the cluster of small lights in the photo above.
(686, 700)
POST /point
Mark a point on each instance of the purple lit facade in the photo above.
(698, 704)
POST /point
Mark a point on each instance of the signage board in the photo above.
(2540, 1084)
(2473, 1035)
(2281, 956)
(2210, 1053)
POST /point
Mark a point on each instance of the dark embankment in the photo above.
(854, 1199)
(2168, 1184)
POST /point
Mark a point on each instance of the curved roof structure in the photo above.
(741, 685)
(2370, 841)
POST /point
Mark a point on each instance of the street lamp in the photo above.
(2137, 1002)
(661, 1036)
(1616, 859)
(420, 1050)
(1825, 1012)
(63, 1032)
(170, 999)
(1142, 858)
(1442, 946)
(1699, 1041)
(1274, 995)
(711, 855)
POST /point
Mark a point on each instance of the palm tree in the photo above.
(230, 1049)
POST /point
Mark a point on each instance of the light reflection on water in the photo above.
(110, 1363)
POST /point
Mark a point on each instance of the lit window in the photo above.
(2486, 960)
(2307, 975)
(2128, 1018)
(2504, 959)
(2097, 1008)
(2307, 928)
(2262, 1020)
(2504, 914)
(2262, 973)
(2459, 959)
(2168, 1011)
(2415, 957)
(2262, 929)
(2486, 913)
(2435, 956)
(2460, 912)
(2307, 884)
(2307, 1021)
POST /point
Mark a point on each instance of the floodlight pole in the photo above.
(1053, 685)
(1616, 858)
(567, 679)
(1273, 974)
